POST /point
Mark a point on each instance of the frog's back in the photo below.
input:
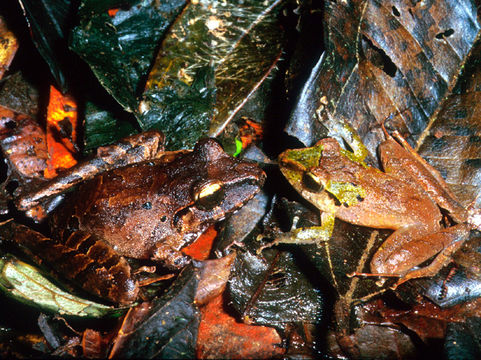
(124, 207)
(390, 203)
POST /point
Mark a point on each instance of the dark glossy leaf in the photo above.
(170, 323)
(99, 124)
(182, 112)
(463, 340)
(240, 40)
(452, 144)
(242, 223)
(50, 21)
(119, 50)
(387, 60)
(264, 290)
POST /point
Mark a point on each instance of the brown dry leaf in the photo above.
(23, 143)
(387, 60)
(213, 278)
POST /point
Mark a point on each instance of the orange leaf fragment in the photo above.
(250, 132)
(222, 337)
(61, 132)
(113, 12)
(201, 248)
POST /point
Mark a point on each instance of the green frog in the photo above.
(406, 197)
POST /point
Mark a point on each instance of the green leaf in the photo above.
(26, 283)
(182, 112)
(99, 122)
(119, 50)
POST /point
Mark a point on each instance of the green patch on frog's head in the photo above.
(295, 162)
(347, 194)
(304, 158)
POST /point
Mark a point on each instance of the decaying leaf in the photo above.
(451, 143)
(28, 285)
(386, 61)
(19, 95)
(23, 143)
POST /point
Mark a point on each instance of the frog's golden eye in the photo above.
(312, 182)
(209, 194)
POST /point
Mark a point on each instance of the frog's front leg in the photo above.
(169, 256)
(90, 262)
(307, 235)
(400, 254)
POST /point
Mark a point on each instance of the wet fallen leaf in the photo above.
(129, 38)
(392, 61)
(222, 336)
(228, 38)
(213, 278)
(169, 323)
(49, 22)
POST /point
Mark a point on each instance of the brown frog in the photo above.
(147, 210)
(406, 198)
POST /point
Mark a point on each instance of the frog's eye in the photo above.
(209, 194)
(312, 182)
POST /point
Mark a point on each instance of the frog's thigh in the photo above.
(405, 249)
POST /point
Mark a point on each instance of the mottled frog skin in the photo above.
(148, 210)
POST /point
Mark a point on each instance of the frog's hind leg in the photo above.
(402, 252)
(90, 262)
(453, 238)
